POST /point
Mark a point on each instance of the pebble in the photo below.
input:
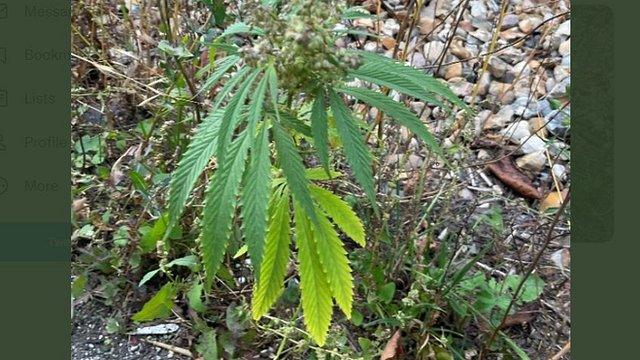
(529, 23)
(517, 131)
(557, 122)
(390, 27)
(559, 171)
(534, 161)
(532, 144)
(453, 70)
(509, 21)
(564, 29)
(460, 86)
(466, 194)
(432, 50)
(426, 25)
(500, 119)
(497, 67)
(459, 51)
(565, 48)
(536, 125)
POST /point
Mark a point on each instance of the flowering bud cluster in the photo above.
(299, 42)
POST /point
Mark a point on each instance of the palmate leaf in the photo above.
(341, 213)
(276, 256)
(395, 110)
(314, 286)
(427, 82)
(219, 207)
(355, 149)
(335, 263)
(319, 129)
(255, 198)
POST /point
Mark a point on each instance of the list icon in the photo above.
(3, 55)
(3, 147)
(3, 11)
(4, 98)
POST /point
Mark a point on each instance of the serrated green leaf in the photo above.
(276, 257)
(220, 202)
(231, 117)
(314, 286)
(395, 110)
(159, 306)
(319, 129)
(221, 67)
(335, 263)
(293, 169)
(194, 296)
(341, 213)
(255, 198)
(355, 149)
(193, 162)
(375, 65)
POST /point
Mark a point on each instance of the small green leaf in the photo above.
(159, 306)
(207, 345)
(386, 292)
(195, 297)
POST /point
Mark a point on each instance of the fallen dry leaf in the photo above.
(553, 200)
(505, 170)
(393, 349)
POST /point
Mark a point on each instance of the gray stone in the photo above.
(560, 171)
(432, 50)
(532, 144)
(509, 21)
(516, 131)
(498, 67)
(534, 161)
(557, 122)
(564, 29)
(500, 119)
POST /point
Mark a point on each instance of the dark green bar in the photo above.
(34, 242)
(592, 126)
(34, 179)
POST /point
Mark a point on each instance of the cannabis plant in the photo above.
(289, 63)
